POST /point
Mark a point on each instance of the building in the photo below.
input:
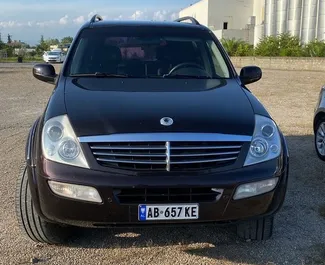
(251, 20)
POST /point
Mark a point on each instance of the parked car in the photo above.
(319, 125)
(149, 124)
(54, 56)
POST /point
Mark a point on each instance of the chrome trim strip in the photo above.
(168, 156)
(165, 137)
(206, 154)
(163, 162)
(203, 161)
(128, 155)
(127, 147)
(205, 147)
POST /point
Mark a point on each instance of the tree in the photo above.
(66, 40)
(53, 42)
(43, 46)
(9, 39)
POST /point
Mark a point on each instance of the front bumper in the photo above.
(113, 213)
(53, 60)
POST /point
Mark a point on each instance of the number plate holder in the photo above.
(154, 212)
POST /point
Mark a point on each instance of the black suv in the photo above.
(149, 124)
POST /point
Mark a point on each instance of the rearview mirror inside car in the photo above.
(45, 73)
(250, 74)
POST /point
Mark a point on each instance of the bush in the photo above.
(280, 45)
(236, 47)
(315, 48)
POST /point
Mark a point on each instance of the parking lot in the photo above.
(299, 235)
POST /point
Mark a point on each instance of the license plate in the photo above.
(168, 212)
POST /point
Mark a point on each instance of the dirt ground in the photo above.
(299, 235)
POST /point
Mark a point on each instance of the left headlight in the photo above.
(266, 141)
(60, 144)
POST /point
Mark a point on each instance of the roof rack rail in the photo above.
(192, 19)
(96, 17)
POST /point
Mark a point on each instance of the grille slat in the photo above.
(203, 161)
(128, 147)
(206, 147)
(205, 154)
(128, 154)
(166, 155)
(132, 161)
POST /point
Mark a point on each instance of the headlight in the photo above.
(60, 144)
(266, 142)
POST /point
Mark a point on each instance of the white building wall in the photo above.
(236, 13)
(302, 18)
(259, 13)
(321, 21)
(198, 10)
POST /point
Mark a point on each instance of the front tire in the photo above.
(319, 138)
(30, 222)
(260, 229)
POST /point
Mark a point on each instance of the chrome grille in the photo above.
(166, 156)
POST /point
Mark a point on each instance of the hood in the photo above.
(99, 106)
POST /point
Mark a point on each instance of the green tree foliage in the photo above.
(66, 40)
(42, 46)
(52, 42)
(236, 47)
(314, 48)
(280, 45)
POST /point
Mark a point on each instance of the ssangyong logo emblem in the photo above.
(166, 121)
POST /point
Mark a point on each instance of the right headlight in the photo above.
(60, 144)
(266, 141)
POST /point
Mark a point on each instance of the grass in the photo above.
(25, 60)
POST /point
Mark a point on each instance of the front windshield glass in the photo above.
(139, 53)
(53, 53)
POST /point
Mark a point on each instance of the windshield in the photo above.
(53, 53)
(139, 53)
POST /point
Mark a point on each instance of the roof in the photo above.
(97, 21)
(144, 23)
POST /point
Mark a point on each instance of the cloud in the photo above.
(44, 24)
(10, 24)
(139, 15)
(160, 15)
(64, 20)
(79, 20)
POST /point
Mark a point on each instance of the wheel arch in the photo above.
(30, 159)
(318, 116)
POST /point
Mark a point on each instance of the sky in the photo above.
(27, 20)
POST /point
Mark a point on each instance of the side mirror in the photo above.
(45, 73)
(250, 74)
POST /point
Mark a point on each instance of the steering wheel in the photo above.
(183, 65)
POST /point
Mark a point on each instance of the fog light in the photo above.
(255, 188)
(78, 192)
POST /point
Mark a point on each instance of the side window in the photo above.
(218, 61)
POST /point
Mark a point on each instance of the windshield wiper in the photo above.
(187, 76)
(100, 74)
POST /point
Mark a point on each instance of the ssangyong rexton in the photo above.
(149, 124)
